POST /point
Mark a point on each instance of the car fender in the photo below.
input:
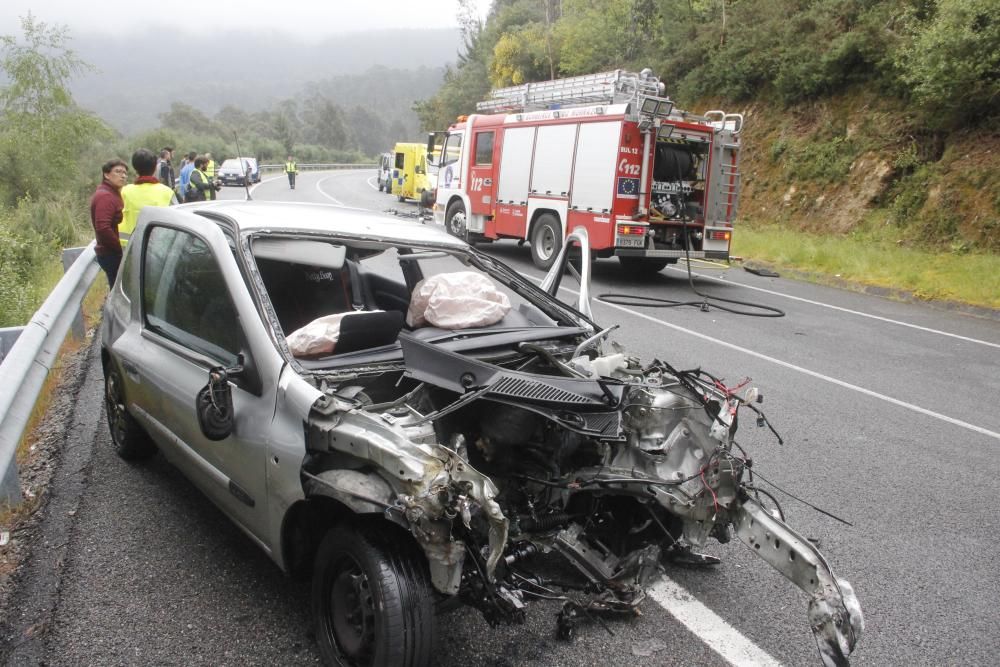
(363, 493)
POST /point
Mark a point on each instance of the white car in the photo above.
(414, 422)
(239, 171)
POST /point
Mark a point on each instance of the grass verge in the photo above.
(967, 278)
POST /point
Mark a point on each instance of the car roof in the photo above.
(278, 217)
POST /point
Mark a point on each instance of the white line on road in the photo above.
(371, 184)
(800, 369)
(815, 374)
(832, 307)
(712, 629)
(319, 189)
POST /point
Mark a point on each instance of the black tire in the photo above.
(546, 240)
(372, 600)
(642, 266)
(129, 439)
(455, 221)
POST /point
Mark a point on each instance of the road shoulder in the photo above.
(58, 473)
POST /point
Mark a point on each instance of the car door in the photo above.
(194, 313)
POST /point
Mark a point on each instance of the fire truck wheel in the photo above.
(546, 240)
(455, 222)
(641, 266)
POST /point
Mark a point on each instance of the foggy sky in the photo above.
(304, 19)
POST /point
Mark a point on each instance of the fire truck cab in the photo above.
(608, 152)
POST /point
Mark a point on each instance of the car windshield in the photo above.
(454, 297)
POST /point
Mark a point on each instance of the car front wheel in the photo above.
(131, 442)
(372, 600)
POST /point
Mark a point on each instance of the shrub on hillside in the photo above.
(952, 60)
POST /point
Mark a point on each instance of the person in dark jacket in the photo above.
(165, 169)
(201, 187)
(106, 207)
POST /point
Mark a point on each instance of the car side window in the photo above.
(184, 295)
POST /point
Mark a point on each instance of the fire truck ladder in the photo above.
(643, 90)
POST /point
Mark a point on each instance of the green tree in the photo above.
(596, 35)
(952, 63)
(323, 122)
(43, 134)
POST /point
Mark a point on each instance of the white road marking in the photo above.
(712, 629)
(319, 189)
(815, 374)
(371, 184)
(841, 309)
(800, 369)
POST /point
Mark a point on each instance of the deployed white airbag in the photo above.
(459, 300)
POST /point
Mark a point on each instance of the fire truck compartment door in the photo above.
(553, 160)
(595, 169)
(515, 164)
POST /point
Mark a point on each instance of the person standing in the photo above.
(185, 178)
(146, 191)
(164, 168)
(106, 208)
(291, 169)
(202, 188)
(210, 167)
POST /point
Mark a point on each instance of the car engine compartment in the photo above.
(493, 457)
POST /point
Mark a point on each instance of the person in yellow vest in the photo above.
(146, 191)
(201, 187)
(291, 169)
(211, 167)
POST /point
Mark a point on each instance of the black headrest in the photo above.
(363, 331)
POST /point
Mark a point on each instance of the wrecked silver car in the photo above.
(416, 425)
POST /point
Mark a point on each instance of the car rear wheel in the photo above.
(131, 442)
(546, 240)
(372, 600)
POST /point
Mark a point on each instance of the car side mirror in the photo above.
(214, 403)
(578, 267)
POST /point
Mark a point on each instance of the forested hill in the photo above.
(874, 117)
(134, 77)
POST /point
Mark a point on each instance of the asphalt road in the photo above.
(888, 413)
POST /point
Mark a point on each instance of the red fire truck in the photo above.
(606, 151)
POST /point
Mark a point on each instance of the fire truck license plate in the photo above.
(631, 242)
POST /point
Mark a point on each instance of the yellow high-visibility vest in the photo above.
(291, 168)
(210, 169)
(138, 197)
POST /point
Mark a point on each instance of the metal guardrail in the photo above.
(318, 166)
(27, 363)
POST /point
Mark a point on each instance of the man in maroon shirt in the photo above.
(105, 213)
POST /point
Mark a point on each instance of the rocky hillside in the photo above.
(856, 164)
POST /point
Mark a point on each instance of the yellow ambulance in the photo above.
(409, 171)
